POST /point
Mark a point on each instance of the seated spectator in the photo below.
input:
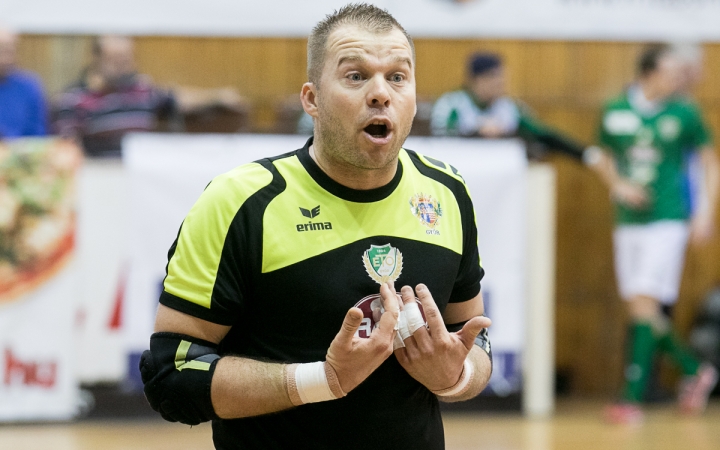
(112, 99)
(23, 111)
(483, 109)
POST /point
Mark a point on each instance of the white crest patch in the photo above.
(622, 122)
(668, 127)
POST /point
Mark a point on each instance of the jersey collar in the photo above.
(344, 192)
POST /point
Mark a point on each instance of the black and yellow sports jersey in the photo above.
(280, 251)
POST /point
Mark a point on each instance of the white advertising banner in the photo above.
(167, 173)
(38, 280)
(695, 20)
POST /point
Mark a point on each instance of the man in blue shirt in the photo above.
(23, 111)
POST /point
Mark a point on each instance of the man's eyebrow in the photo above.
(351, 58)
(362, 59)
(403, 59)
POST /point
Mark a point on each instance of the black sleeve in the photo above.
(467, 283)
(532, 129)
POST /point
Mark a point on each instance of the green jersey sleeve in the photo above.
(696, 133)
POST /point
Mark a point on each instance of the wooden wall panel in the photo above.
(564, 82)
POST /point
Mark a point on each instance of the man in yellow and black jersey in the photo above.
(280, 320)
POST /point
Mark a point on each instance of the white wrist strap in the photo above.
(463, 383)
(312, 383)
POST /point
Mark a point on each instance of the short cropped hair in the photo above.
(481, 63)
(367, 16)
(650, 58)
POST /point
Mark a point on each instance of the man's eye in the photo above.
(355, 77)
(397, 78)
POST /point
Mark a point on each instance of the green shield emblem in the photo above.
(383, 263)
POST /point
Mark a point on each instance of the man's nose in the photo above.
(378, 93)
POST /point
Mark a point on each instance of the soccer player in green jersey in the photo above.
(483, 109)
(646, 133)
(279, 318)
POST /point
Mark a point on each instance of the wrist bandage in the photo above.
(312, 383)
(463, 383)
(410, 320)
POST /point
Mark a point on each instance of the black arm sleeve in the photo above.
(177, 373)
(532, 129)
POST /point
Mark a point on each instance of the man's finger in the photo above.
(415, 321)
(350, 325)
(389, 298)
(471, 329)
(432, 313)
(408, 296)
(411, 351)
(386, 326)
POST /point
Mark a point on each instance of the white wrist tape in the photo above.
(463, 383)
(413, 317)
(312, 383)
(402, 331)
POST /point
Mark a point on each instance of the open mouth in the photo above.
(377, 130)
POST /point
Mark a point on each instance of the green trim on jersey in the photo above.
(651, 150)
(193, 268)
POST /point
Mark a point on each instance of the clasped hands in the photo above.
(433, 356)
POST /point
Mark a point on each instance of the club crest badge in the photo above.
(426, 209)
(384, 263)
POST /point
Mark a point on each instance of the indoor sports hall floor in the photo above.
(575, 426)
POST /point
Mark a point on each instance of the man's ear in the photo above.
(308, 98)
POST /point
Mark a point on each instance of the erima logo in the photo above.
(312, 226)
(311, 213)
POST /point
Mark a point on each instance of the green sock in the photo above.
(641, 351)
(670, 344)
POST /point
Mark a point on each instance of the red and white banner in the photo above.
(38, 279)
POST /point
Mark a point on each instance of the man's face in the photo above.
(490, 85)
(116, 60)
(8, 44)
(692, 74)
(668, 76)
(365, 98)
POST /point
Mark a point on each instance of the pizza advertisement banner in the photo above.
(38, 279)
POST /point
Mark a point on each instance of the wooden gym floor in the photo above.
(576, 425)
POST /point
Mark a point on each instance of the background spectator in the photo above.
(483, 109)
(111, 99)
(23, 110)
